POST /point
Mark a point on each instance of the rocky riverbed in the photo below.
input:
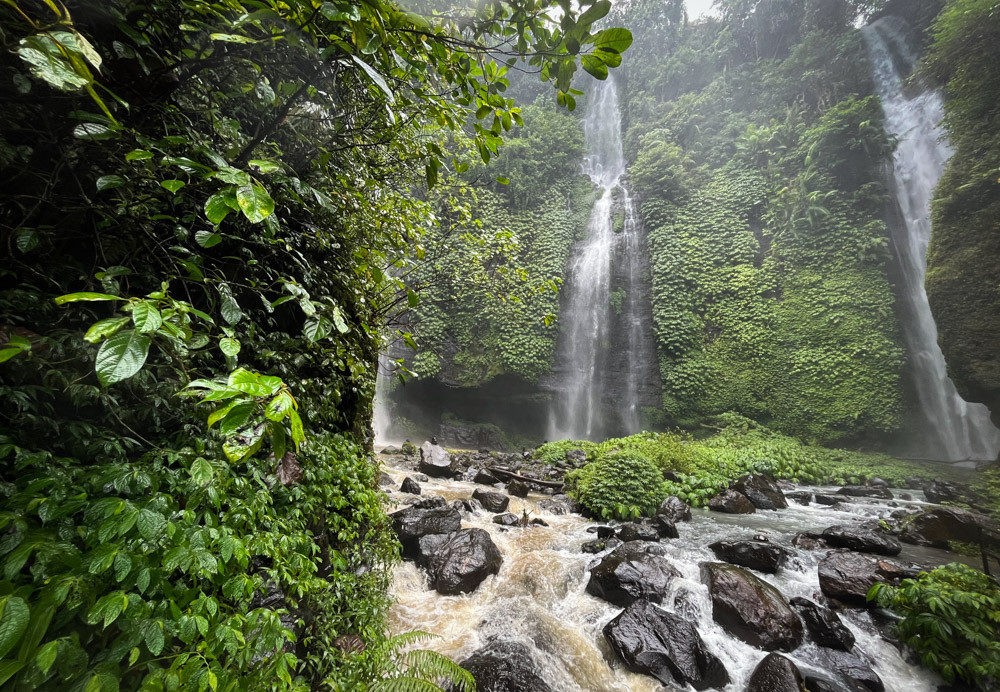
(766, 592)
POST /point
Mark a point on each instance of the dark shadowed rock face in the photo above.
(662, 645)
(847, 576)
(507, 519)
(750, 608)
(460, 562)
(484, 477)
(505, 667)
(761, 491)
(731, 502)
(410, 486)
(878, 491)
(435, 461)
(758, 555)
(942, 524)
(803, 497)
(775, 673)
(629, 573)
(518, 488)
(823, 625)
(854, 671)
(413, 522)
(648, 530)
(674, 509)
(599, 545)
(491, 500)
(829, 500)
(866, 539)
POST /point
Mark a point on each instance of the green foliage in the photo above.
(618, 485)
(950, 618)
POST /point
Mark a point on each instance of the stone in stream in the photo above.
(459, 562)
(863, 538)
(507, 519)
(751, 609)
(809, 540)
(731, 502)
(412, 523)
(775, 673)
(484, 477)
(940, 525)
(633, 571)
(647, 530)
(759, 555)
(466, 505)
(389, 450)
(554, 506)
(599, 545)
(761, 491)
(665, 646)
(435, 461)
(674, 509)
(847, 576)
(409, 486)
(491, 500)
(518, 488)
(829, 500)
(502, 666)
(865, 491)
(853, 670)
(601, 531)
(823, 625)
(803, 497)
(385, 479)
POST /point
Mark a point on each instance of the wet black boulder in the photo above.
(863, 538)
(632, 572)
(823, 625)
(775, 673)
(875, 491)
(413, 522)
(731, 502)
(502, 666)
(751, 609)
(461, 561)
(847, 576)
(410, 486)
(662, 645)
(761, 491)
(491, 500)
(674, 509)
(759, 555)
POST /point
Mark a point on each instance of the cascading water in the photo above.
(382, 415)
(956, 430)
(583, 357)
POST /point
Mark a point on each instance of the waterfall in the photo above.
(381, 414)
(590, 397)
(956, 430)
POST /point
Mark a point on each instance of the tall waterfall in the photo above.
(382, 415)
(956, 430)
(598, 391)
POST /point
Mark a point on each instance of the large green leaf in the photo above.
(254, 202)
(146, 317)
(595, 66)
(614, 39)
(121, 356)
(48, 63)
(104, 328)
(84, 296)
(14, 616)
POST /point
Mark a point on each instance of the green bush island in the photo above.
(618, 485)
(951, 616)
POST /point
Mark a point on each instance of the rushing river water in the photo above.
(539, 596)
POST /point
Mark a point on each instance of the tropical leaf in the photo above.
(121, 356)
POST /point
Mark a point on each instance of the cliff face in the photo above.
(963, 278)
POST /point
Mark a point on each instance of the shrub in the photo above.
(619, 485)
(951, 616)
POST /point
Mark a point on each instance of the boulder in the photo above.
(435, 461)
(758, 555)
(943, 491)
(674, 509)
(731, 502)
(828, 500)
(863, 538)
(518, 488)
(664, 526)
(553, 506)
(823, 625)
(802, 497)
(853, 670)
(461, 561)
(484, 477)
(847, 576)
(629, 573)
(809, 540)
(601, 531)
(662, 645)
(866, 491)
(491, 500)
(599, 545)
(939, 525)
(751, 609)
(637, 531)
(502, 666)
(818, 683)
(390, 450)
(879, 482)
(507, 519)
(412, 523)
(466, 505)
(775, 673)
(761, 491)
(385, 479)
(410, 486)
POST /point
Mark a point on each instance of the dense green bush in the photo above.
(618, 485)
(951, 616)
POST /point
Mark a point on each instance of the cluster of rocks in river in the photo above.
(632, 571)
